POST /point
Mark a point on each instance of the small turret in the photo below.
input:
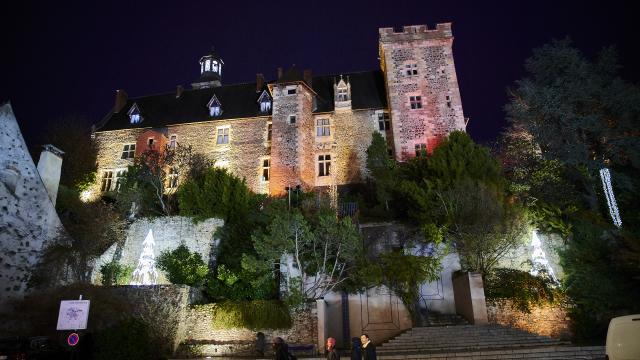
(210, 71)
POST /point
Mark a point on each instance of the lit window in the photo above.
(411, 69)
(173, 140)
(134, 114)
(173, 178)
(324, 165)
(292, 119)
(120, 177)
(265, 106)
(322, 127)
(214, 66)
(207, 65)
(383, 121)
(128, 151)
(107, 178)
(342, 94)
(223, 136)
(214, 107)
(416, 102)
(269, 131)
(421, 149)
(266, 165)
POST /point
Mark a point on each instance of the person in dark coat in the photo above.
(332, 354)
(280, 349)
(368, 349)
(356, 347)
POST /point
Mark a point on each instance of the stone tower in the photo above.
(292, 162)
(422, 87)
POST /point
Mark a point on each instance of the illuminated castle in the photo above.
(299, 129)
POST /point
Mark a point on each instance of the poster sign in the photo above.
(73, 315)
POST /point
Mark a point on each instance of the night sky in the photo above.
(61, 59)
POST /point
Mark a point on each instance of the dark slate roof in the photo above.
(240, 101)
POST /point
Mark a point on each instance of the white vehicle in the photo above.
(623, 338)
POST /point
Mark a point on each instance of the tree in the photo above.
(183, 266)
(317, 260)
(381, 167)
(151, 183)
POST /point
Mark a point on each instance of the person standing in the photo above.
(280, 349)
(332, 354)
(356, 347)
(368, 349)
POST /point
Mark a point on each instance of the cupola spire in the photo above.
(210, 71)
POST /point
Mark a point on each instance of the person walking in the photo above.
(368, 349)
(332, 354)
(356, 349)
(280, 349)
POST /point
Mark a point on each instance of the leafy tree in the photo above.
(317, 259)
(114, 273)
(521, 288)
(183, 266)
(381, 167)
(240, 285)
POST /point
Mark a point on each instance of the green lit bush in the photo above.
(115, 274)
(521, 288)
(183, 266)
(257, 314)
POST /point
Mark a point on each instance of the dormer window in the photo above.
(214, 106)
(342, 94)
(265, 102)
(134, 115)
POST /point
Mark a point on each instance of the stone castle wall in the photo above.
(28, 219)
(435, 82)
(548, 320)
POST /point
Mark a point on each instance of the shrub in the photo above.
(128, 339)
(523, 289)
(183, 266)
(114, 273)
(257, 314)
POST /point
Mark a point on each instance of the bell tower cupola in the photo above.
(210, 71)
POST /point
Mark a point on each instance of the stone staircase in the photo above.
(445, 320)
(471, 342)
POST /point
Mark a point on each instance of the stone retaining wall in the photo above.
(548, 320)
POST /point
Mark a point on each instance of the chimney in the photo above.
(49, 168)
(259, 82)
(179, 90)
(279, 73)
(121, 100)
(306, 76)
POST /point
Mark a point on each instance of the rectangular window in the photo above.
(322, 127)
(383, 121)
(265, 106)
(120, 177)
(266, 165)
(342, 95)
(173, 140)
(292, 119)
(421, 150)
(411, 69)
(173, 178)
(324, 165)
(128, 151)
(291, 90)
(448, 101)
(214, 111)
(223, 136)
(107, 178)
(150, 142)
(416, 102)
(269, 131)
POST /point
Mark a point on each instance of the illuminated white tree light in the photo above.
(539, 257)
(605, 175)
(146, 273)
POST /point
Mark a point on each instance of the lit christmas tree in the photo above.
(145, 273)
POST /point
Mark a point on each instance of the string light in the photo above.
(605, 175)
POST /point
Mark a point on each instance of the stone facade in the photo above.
(300, 152)
(168, 233)
(548, 320)
(418, 62)
(201, 338)
(28, 219)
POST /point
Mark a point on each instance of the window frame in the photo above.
(266, 170)
(324, 165)
(411, 69)
(226, 135)
(291, 119)
(323, 127)
(384, 121)
(173, 141)
(129, 150)
(415, 102)
(421, 149)
(291, 90)
(106, 180)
